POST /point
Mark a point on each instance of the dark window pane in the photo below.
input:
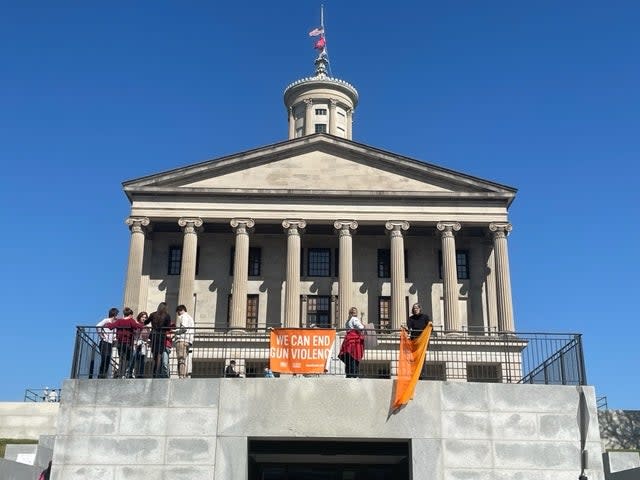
(319, 262)
(384, 263)
(175, 260)
(321, 128)
(255, 257)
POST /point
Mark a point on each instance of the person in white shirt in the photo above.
(106, 342)
(183, 338)
(352, 349)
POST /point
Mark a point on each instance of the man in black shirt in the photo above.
(417, 322)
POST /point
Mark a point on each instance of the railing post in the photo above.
(583, 372)
(76, 355)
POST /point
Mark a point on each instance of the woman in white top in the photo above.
(352, 349)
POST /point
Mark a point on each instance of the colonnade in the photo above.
(294, 228)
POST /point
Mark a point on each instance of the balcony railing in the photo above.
(483, 356)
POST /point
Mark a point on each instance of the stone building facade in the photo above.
(297, 232)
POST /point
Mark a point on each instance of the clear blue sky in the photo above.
(542, 96)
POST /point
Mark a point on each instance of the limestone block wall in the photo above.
(27, 420)
(620, 429)
(198, 428)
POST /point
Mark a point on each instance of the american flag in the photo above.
(316, 31)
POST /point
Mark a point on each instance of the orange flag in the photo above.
(410, 362)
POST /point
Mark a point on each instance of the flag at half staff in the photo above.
(320, 44)
(316, 31)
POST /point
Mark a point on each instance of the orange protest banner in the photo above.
(410, 362)
(300, 350)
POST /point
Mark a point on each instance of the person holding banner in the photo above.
(352, 349)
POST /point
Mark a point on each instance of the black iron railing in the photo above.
(42, 394)
(483, 356)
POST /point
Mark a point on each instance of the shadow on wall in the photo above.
(620, 429)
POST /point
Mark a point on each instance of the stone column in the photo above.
(490, 282)
(332, 117)
(503, 278)
(398, 305)
(238, 317)
(349, 122)
(134, 267)
(450, 276)
(292, 288)
(188, 264)
(308, 117)
(292, 124)
(345, 265)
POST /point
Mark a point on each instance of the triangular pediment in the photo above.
(318, 163)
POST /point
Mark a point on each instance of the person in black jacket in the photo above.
(417, 322)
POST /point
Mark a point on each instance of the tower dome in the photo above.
(320, 104)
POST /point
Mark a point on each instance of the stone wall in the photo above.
(27, 420)
(198, 428)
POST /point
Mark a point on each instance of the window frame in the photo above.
(314, 299)
(384, 254)
(311, 265)
(320, 128)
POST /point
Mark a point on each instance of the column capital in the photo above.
(343, 226)
(241, 225)
(137, 224)
(447, 228)
(190, 225)
(333, 102)
(500, 229)
(293, 226)
(308, 101)
(396, 227)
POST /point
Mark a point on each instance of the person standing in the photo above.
(141, 346)
(160, 321)
(417, 322)
(125, 328)
(106, 342)
(183, 338)
(352, 349)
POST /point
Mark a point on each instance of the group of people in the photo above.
(352, 348)
(155, 335)
(142, 337)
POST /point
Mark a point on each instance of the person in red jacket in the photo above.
(125, 328)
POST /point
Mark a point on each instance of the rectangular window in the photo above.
(484, 372)
(318, 262)
(175, 260)
(384, 313)
(321, 111)
(384, 263)
(433, 371)
(299, 132)
(252, 311)
(321, 128)
(462, 264)
(318, 311)
(255, 261)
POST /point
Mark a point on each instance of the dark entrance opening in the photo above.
(329, 460)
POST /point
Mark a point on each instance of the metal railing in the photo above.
(42, 395)
(481, 355)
